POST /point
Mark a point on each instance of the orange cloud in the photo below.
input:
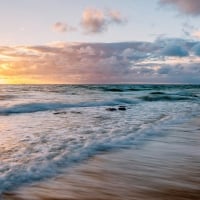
(100, 62)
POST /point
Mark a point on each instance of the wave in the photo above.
(123, 88)
(132, 87)
(161, 96)
(37, 171)
(6, 97)
(50, 106)
(112, 88)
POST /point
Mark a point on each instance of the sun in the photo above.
(3, 80)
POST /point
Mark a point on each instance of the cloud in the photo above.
(196, 34)
(196, 49)
(187, 29)
(87, 51)
(186, 73)
(97, 21)
(63, 27)
(93, 21)
(174, 50)
(133, 54)
(161, 61)
(116, 17)
(190, 7)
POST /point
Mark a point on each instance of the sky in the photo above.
(99, 41)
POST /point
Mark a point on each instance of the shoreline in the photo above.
(166, 167)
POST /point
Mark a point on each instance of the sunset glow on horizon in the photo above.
(99, 42)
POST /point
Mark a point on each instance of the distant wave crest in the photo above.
(161, 96)
(37, 107)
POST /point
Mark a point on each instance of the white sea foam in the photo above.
(36, 145)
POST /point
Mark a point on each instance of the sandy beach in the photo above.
(164, 168)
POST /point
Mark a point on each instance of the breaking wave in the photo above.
(50, 106)
(161, 96)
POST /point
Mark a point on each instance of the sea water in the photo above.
(46, 129)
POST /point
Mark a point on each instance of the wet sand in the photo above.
(165, 168)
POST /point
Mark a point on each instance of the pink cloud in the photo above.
(116, 17)
(196, 34)
(191, 7)
(63, 27)
(97, 21)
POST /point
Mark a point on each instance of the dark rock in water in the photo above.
(60, 113)
(122, 108)
(111, 109)
(159, 93)
(115, 109)
(76, 112)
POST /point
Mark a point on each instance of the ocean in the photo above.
(46, 130)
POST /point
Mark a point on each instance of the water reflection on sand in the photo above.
(165, 168)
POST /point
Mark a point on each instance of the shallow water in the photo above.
(48, 129)
(165, 167)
